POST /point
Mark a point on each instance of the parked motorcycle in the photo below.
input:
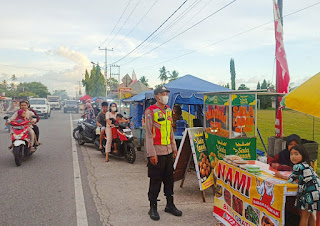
(20, 140)
(85, 132)
(123, 143)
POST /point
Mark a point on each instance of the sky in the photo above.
(54, 42)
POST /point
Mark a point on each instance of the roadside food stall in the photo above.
(246, 190)
(230, 124)
(249, 194)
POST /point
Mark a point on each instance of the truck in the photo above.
(55, 102)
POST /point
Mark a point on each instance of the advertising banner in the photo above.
(201, 157)
(245, 199)
(221, 146)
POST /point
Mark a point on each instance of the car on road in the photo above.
(41, 106)
(71, 105)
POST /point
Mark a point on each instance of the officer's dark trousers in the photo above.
(162, 172)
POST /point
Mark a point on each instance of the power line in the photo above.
(138, 22)
(182, 31)
(169, 26)
(116, 23)
(124, 22)
(231, 37)
(15, 66)
(151, 33)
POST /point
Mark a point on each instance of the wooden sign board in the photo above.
(193, 146)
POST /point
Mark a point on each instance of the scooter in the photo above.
(123, 143)
(85, 132)
(20, 140)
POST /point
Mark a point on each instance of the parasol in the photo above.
(305, 98)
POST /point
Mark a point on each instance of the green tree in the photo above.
(97, 82)
(26, 94)
(173, 76)
(233, 74)
(144, 80)
(113, 84)
(227, 86)
(35, 87)
(14, 78)
(265, 101)
(85, 81)
(258, 85)
(243, 87)
(62, 93)
(163, 74)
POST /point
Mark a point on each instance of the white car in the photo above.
(41, 106)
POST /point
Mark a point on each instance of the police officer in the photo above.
(161, 150)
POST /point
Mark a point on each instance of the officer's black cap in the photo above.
(161, 89)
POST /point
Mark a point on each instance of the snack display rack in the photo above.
(230, 123)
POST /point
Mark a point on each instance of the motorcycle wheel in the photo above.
(17, 153)
(130, 154)
(75, 133)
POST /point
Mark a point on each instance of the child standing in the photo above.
(307, 199)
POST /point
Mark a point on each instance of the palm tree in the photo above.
(173, 76)
(163, 74)
(144, 80)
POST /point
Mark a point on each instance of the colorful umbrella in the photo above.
(306, 97)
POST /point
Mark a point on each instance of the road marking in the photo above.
(80, 204)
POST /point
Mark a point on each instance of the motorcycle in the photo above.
(86, 132)
(8, 115)
(123, 143)
(20, 140)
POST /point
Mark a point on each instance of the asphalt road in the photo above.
(42, 190)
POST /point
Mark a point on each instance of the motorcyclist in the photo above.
(101, 121)
(111, 114)
(13, 108)
(89, 112)
(29, 114)
(34, 121)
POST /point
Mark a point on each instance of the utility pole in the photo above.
(106, 66)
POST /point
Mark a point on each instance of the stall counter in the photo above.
(243, 198)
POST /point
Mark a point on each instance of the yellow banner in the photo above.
(245, 199)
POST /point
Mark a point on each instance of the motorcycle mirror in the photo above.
(124, 113)
(5, 117)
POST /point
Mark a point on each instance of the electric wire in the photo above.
(231, 37)
(125, 9)
(151, 33)
(137, 24)
(15, 66)
(168, 27)
(124, 22)
(183, 31)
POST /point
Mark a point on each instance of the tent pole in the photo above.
(313, 127)
(189, 117)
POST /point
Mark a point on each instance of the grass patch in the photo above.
(293, 122)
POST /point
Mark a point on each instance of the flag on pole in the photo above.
(282, 71)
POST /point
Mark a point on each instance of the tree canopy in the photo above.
(144, 80)
(95, 83)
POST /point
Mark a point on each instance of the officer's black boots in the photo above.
(171, 208)
(154, 215)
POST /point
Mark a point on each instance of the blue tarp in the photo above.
(136, 112)
(138, 98)
(187, 90)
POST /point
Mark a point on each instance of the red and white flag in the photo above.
(283, 77)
